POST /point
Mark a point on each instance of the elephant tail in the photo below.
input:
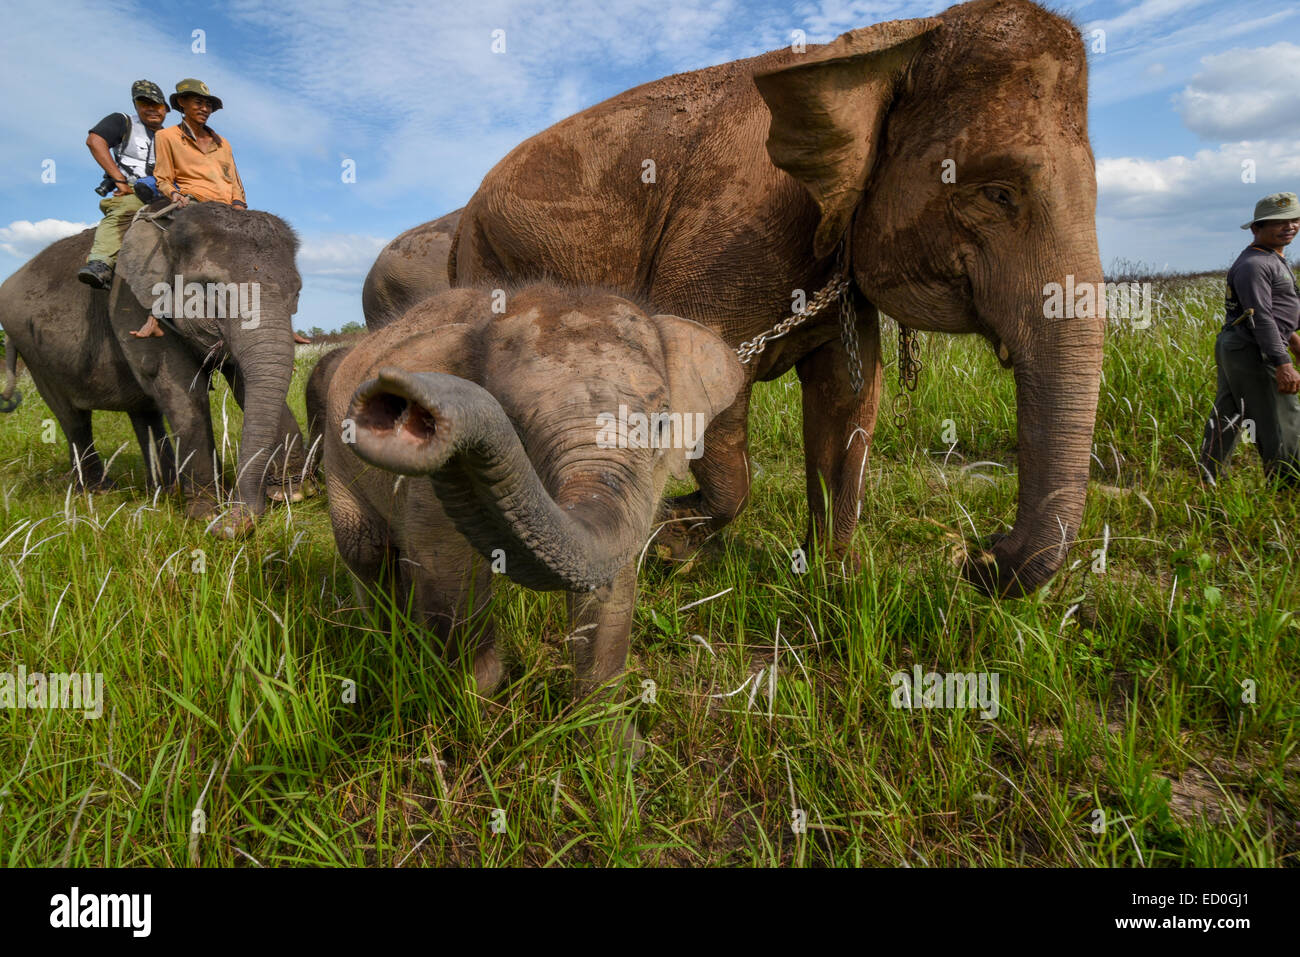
(9, 398)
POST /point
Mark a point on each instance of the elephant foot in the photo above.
(101, 484)
(684, 527)
(292, 491)
(233, 524)
(202, 507)
(488, 671)
(840, 561)
(633, 747)
(990, 570)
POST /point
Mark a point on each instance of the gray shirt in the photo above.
(1261, 280)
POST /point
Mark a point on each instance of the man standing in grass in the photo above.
(1257, 380)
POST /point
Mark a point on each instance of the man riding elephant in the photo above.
(937, 169)
(194, 162)
(226, 283)
(124, 147)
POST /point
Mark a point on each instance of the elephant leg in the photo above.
(452, 587)
(599, 636)
(722, 473)
(179, 386)
(284, 470)
(838, 425)
(87, 467)
(291, 478)
(159, 462)
(362, 536)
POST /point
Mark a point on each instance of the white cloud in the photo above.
(1188, 209)
(1136, 23)
(36, 59)
(339, 255)
(1245, 94)
(25, 239)
(1197, 185)
(1148, 50)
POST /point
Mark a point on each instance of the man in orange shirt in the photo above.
(193, 162)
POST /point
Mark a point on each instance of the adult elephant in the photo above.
(946, 158)
(408, 270)
(238, 292)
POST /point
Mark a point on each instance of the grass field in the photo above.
(1157, 686)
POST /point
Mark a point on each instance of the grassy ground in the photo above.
(1158, 688)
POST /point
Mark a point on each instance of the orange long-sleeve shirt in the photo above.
(180, 165)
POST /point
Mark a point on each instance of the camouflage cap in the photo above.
(148, 90)
(1275, 206)
(191, 85)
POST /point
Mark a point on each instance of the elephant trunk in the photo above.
(456, 432)
(1056, 407)
(266, 369)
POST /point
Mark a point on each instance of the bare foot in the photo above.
(150, 328)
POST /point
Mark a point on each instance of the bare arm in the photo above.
(98, 147)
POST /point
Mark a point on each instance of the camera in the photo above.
(108, 184)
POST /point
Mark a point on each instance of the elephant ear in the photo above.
(828, 112)
(144, 261)
(704, 374)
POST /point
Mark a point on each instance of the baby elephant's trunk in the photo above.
(455, 432)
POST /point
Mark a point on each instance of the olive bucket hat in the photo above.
(148, 90)
(1275, 206)
(191, 85)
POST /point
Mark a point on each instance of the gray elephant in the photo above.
(408, 270)
(940, 167)
(528, 453)
(225, 285)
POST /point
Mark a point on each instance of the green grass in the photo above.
(1120, 691)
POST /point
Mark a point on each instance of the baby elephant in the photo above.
(533, 442)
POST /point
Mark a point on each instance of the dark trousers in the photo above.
(1248, 394)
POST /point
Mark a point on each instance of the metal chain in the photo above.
(909, 374)
(824, 297)
(840, 287)
(849, 336)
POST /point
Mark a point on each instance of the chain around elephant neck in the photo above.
(840, 287)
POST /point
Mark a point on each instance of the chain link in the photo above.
(824, 297)
(909, 374)
(840, 287)
(849, 336)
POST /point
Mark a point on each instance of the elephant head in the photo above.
(526, 448)
(951, 154)
(227, 282)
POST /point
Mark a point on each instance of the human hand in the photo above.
(1288, 380)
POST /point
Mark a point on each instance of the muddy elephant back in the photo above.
(408, 270)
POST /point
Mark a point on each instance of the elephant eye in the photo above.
(996, 194)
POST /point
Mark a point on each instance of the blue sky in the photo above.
(1185, 92)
